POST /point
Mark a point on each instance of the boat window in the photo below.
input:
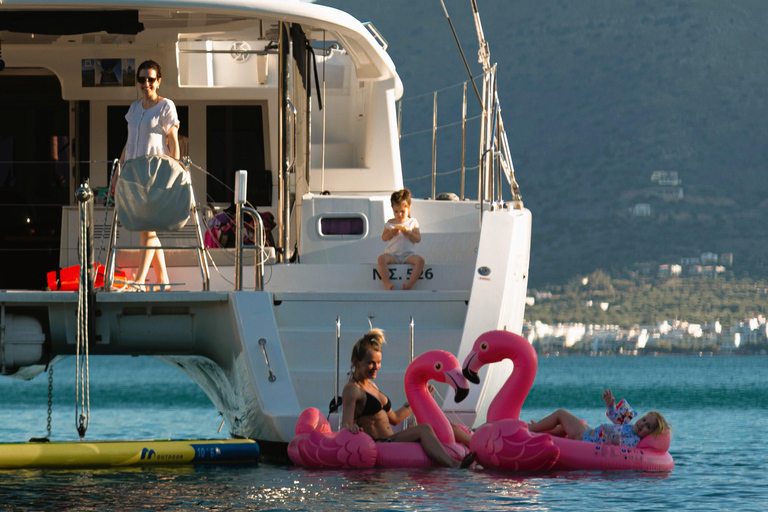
(60, 22)
(35, 179)
(205, 62)
(342, 225)
(235, 136)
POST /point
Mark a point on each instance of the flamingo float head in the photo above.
(440, 366)
(494, 346)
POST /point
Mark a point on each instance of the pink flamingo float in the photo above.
(315, 445)
(505, 442)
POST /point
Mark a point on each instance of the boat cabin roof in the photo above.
(70, 22)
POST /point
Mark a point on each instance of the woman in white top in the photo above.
(153, 129)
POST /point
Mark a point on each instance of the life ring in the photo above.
(68, 279)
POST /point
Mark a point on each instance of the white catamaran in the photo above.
(303, 97)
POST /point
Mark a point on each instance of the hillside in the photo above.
(649, 301)
(597, 95)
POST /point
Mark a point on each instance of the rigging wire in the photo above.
(461, 51)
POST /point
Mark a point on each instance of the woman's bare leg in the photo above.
(462, 436)
(161, 271)
(151, 256)
(146, 255)
(572, 425)
(425, 434)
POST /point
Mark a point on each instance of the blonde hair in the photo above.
(662, 426)
(373, 340)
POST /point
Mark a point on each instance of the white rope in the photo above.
(452, 411)
(82, 377)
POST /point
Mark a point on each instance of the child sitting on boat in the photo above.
(620, 431)
(402, 233)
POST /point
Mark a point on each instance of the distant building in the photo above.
(668, 193)
(670, 270)
(690, 261)
(726, 259)
(714, 327)
(554, 337)
(641, 210)
(666, 178)
(708, 257)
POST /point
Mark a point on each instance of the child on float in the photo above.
(402, 233)
(620, 431)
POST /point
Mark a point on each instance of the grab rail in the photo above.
(286, 206)
(258, 278)
(241, 188)
(109, 271)
(376, 35)
(263, 343)
(336, 403)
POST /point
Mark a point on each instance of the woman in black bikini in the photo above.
(362, 408)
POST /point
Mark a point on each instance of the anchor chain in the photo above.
(50, 401)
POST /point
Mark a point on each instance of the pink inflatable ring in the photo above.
(504, 442)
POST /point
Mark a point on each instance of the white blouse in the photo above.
(147, 129)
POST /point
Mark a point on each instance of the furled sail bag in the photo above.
(153, 193)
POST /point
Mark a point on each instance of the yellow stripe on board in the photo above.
(76, 454)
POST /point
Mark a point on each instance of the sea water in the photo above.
(718, 407)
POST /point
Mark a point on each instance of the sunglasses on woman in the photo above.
(143, 79)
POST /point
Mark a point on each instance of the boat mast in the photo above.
(494, 145)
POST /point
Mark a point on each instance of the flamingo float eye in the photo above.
(438, 366)
(484, 346)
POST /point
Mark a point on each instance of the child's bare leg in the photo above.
(558, 431)
(572, 425)
(418, 266)
(383, 263)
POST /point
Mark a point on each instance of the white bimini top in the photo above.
(147, 129)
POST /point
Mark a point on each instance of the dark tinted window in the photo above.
(342, 226)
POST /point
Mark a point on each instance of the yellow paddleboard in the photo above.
(78, 454)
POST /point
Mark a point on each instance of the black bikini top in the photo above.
(373, 405)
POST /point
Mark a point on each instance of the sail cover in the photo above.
(153, 193)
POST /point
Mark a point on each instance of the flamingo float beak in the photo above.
(459, 384)
(470, 374)
(461, 394)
